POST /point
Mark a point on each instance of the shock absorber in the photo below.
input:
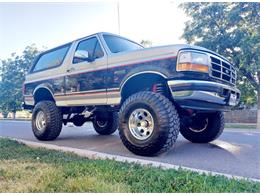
(158, 88)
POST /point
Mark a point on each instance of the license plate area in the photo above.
(232, 99)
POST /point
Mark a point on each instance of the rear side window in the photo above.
(51, 59)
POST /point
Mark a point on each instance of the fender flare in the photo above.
(43, 86)
(140, 73)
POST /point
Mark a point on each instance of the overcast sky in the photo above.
(52, 24)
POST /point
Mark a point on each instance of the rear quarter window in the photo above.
(51, 59)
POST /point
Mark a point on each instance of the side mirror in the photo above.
(81, 55)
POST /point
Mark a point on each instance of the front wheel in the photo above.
(148, 123)
(106, 123)
(204, 128)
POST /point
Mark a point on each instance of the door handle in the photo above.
(71, 70)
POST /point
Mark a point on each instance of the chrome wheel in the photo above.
(141, 124)
(40, 121)
(102, 123)
(199, 127)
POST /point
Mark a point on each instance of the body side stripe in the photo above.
(111, 67)
(87, 93)
(110, 91)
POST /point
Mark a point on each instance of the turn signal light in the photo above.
(192, 67)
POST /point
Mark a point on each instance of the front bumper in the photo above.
(204, 95)
(26, 107)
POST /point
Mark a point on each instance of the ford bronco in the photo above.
(148, 94)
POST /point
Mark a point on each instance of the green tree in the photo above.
(12, 74)
(232, 30)
(146, 43)
(248, 93)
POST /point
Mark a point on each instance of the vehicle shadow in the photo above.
(218, 150)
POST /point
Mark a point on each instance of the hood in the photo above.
(154, 53)
(178, 47)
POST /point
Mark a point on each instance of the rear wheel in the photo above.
(204, 128)
(148, 124)
(106, 123)
(46, 121)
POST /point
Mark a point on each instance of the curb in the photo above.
(17, 119)
(98, 155)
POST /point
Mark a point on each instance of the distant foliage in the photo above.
(232, 30)
(12, 74)
(146, 43)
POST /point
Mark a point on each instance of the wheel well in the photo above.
(43, 94)
(143, 82)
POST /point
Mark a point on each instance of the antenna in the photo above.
(118, 17)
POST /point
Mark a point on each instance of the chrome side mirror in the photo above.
(80, 56)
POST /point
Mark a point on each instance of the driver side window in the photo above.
(92, 46)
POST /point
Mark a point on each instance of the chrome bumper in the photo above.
(204, 95)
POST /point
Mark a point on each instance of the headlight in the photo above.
(193, 61)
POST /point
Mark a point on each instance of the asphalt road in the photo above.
(236, 152)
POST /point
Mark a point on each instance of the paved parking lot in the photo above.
(236, 152)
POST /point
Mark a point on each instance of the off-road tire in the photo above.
(212, 131)
(166, 123)
(53, 121)
(111, 124)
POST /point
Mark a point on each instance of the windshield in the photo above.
(117, 44)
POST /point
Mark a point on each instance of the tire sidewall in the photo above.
(40, 107)
(110, 127)
(53, 118)
(159, 134)
(101, 128)
(213, 130)
(126, 114)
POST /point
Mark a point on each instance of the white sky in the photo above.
(52, 24)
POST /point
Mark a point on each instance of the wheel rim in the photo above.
(200, 128)
(40, 121)
(102, 123)
(141, 124)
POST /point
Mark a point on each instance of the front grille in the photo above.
(223, 70)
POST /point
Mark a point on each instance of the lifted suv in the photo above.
(157, 91)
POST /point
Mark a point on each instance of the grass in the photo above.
(24, 169)
(240, 126)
